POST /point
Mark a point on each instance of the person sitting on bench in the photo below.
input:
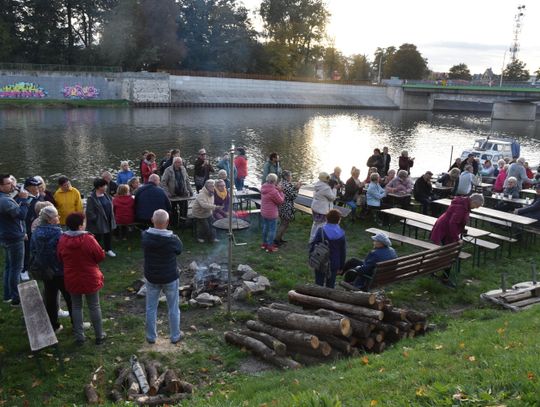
(360, 272)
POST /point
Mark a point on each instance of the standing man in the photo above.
(12, 216)
(149, 198)
(175, 182)
(31, 185)
(386, 159)
(272, 166)
(67, 198)
(376, 160)
(160, 248)
(202, 170)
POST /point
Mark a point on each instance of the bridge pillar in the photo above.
(513, 111)
(410, 100)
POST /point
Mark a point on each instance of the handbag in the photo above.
(319, 257)
(37, 270)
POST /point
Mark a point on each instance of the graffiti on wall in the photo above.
(24, 90)
(80, 92)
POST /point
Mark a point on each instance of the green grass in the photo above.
(479, 354)
(33, 103)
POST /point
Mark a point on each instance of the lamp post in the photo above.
(502, 70)
(380, 67)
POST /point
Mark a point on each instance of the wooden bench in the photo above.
(414, 242)
(303, 204)
(414, 265)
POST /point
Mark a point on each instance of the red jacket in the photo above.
(271, 198)
(452, 223)
(124, 209)
(80, 253)
(241, 164)
(147, 170)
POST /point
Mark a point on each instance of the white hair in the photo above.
(160, 217)
(479, 198)
(176, 159)
(122, 163)
(209, 182)
(154, 179)
(511, 179)
(47, 213)
(521, 160)
(271, 178)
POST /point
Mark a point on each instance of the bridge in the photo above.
(504, 103)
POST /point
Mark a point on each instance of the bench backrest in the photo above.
(414, 265)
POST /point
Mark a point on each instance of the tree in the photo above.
(515, 71)
(407, 63)
(358, 68)
(298, 27)
(459, 71)
(10, 23)
(217, 36)
(383, 57)
(334, 64)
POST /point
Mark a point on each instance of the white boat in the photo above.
(493, 149)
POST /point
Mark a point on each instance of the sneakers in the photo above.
(174, 342)
(15, 303)
(101, 341)
(271, 248)
(57, 330)
(7, 301)
(25, 276)
(110, 253)
(62, 313)
(264, 246)
(200, 240)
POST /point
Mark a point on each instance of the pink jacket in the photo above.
(271, 198)
(499, 181)
(452, 223)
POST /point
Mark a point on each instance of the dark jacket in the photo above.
(43, 247)
(351, 190)
(376, 161)
(532, 211)
(12, 216)
(422, 189)
(474, 165)
(148, 199)
(386, 160)
(160, 251)
(336, 242)
(365, 271)
(405, 163)
(97, 219)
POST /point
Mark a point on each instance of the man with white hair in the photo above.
(149, 198)
(175, 182)
(161, 246)
(518, 171)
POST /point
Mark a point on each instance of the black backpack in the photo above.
(319, 257)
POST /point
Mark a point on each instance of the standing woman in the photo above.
(271, 197)
(43, 248)
(80, 254)
(100, 216)
(323, 202)
(272, 166)
(335, 236)
(451, 224)
(241, 164)
(148, 166)
(286, 209)
(405, 163)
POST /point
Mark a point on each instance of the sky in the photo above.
(474, 32)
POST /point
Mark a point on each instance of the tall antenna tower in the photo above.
(514, 48)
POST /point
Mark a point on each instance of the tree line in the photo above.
(198, 35)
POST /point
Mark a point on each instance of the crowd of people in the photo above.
(56, 231)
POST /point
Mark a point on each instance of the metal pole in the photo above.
(451, 155)
(380, 66)
(502, 70)
(229, 271)
(533, 272)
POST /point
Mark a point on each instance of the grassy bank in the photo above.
(41, 103)
(477, 355)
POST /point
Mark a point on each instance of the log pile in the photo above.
(148, 384)
(519, 297)
(321, 323)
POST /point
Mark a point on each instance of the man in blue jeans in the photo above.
(160, 247)
(12, 234)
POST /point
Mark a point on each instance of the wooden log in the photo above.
(308, 323)
(367, 343)
(348, 297)
(402, 325)
(337, 343)
(415, 316)
(394, 314)
(419, 327)
(186, 387)
(288, 307)
(378, 336)
(276, 345)
(348, 286)
(154, 388)
(261, 350)
(152, 375)
(315, 302)
(359, 329)
(116, 392)
(132, 384)
(411, 333)
(293, 337)
(306, 360)
(323, 351)
(517, 297)
(91, 394)
(172, 383)
(379, 347)
(158, 400)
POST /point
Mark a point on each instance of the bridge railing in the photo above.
(7, 66)
(449, 83)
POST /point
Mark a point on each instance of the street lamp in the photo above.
(502, 70)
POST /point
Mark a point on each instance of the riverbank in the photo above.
(477, 352)
(48, 103)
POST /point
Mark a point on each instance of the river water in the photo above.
(81, 143)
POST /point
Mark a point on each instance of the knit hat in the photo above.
(382, 238)
(31, 182)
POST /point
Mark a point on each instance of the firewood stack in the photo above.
(147, 384)
(324, 324)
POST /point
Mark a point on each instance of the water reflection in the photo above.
(83, 142)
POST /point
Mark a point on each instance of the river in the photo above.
(81, 143)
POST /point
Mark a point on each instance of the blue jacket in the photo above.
(532, 211)
(336, 242)
(374, 194)
(365, 271)
(12, 217)
(124, 176)
(43, 247)
(148, 199)
(160, 249)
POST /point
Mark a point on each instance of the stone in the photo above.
(262, 280)
(240, 294)
(252, 287)
(208, 299)
(249, 275)
(192, 302)
(244, 268)
(214, 268)
(193, 266)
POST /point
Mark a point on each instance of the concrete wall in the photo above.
(226, 91)
(513, 111)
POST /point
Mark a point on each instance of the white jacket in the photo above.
(323, 199)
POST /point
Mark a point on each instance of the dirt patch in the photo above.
(253, 366)
(163, 345)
